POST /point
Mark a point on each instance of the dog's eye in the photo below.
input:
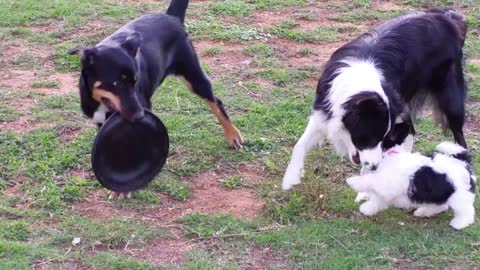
(124, 77)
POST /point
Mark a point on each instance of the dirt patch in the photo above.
(16, 79)
(22, 201)
(472, 124)
(230, 58)
(264, 258)
(290, 51)
(169, 251)
(67, 83)
(23, 123)
(95, 206)
(387, 5)
(209, 196)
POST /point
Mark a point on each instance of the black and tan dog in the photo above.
(121, 73)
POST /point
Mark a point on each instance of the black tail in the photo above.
(178, 8)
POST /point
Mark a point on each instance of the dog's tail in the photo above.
(178, 8)
(455, 150)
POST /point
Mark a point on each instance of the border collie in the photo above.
(372, 87)
(121, 73)
(430, 184)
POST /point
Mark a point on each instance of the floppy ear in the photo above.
(132, 44)
(79, 50)
(85, 53)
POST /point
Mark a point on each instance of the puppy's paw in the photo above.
(361, 196)
(459, 223)
(234, 138)
(369, 209)
(355, 182)
(291, 178)
(112, 195)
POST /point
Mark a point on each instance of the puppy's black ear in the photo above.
(132, 44)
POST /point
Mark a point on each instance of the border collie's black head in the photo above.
(110, 74)
(367, 120)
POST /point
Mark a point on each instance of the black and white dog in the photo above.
(430, 184)
(372, 87)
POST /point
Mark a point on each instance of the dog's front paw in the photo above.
(355, 182)
(369, 208)
(291, 178)
(112, 195)
(361, 196)
(234, 138)
(459, 223)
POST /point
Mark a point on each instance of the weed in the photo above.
(212, 51)
(45, 84)
(232, 8)
(200, 225)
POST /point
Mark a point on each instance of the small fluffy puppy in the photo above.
(429, 183)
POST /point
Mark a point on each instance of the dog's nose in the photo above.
(370, 166)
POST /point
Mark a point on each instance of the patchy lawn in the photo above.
(211, 207)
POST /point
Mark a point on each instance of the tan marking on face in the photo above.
(98, 94)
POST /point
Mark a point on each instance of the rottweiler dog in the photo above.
(121, 73)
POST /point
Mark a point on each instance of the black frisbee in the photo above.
(127, 156)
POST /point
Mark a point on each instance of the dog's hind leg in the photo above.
(188, 69)
(463, 209)
(451, 101)
(313, 136)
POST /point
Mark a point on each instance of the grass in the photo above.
(45, 84)
(49, 195)
(323, 34)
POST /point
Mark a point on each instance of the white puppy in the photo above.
(430, 184)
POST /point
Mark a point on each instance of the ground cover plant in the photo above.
(211, 207)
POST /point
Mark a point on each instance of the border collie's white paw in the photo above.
(459, 223)
(361, 196)
(369, 208)
(291, 178)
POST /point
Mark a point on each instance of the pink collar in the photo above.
(391, 152)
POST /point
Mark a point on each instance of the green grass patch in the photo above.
(211, 28)
(108, 261)
(318, 35)
(8, 113)
(362, 15)
(115, 233)
(45, 84)
(212, 51)
(276, 4)
(172, 187)
(232, 8)
(18, 255)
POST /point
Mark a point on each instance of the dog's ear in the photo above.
(85, 53)
(132, 44)
(367, 102)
